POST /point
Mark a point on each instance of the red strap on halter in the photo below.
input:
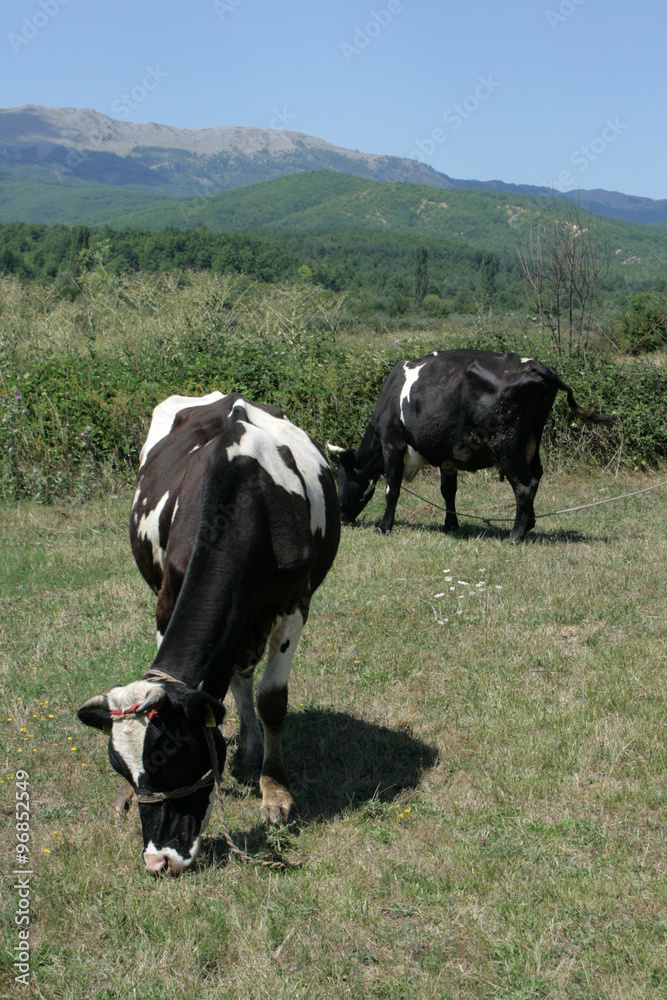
(128, 711)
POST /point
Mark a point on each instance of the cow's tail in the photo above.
(590, 416)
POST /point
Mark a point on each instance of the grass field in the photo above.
(476, 743)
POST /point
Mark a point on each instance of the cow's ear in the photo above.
(200, 709)
(95, 712)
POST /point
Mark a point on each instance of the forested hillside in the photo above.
(324, 201)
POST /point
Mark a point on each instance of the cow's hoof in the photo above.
(382, 531)
(123, 801)
(279, 815)
(278, 806)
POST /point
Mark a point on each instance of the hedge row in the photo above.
(65, 420)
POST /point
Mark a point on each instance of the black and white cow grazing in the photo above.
(458, 410)
(234, 524)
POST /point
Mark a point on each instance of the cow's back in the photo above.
(182, 444)
(171, 475)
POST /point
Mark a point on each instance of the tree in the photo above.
(487, 279)
(79, 242)
(421, 274)
(562, 269)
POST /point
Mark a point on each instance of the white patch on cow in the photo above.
(164, 414)
(128, 734)
(525, 360)
(175, 509)
(412, 463)
(137, 494)
(264, 446)
(282, 644)
(254, 444)
(411, 376)
(149, 528)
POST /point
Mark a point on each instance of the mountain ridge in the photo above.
(81, 146)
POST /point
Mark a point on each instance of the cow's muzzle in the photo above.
(164, 862)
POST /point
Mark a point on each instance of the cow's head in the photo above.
(355, 486)
(157, 742)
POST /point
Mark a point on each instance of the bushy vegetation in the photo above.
(80, 378)
(643, 327)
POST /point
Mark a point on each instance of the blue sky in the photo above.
(563, 92)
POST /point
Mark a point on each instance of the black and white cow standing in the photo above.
(458, 410)
(234, 524)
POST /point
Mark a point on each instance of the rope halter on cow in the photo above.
(206, 781)
(212, 776)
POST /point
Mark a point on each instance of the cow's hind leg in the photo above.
(250, 751)
(536, 470)
(277, 803)
(524, 483)
(448, 483)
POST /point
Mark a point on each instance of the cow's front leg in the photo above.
(448, 484)
(393, 467)
(250, 752)
(277, 803)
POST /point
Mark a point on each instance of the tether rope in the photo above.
(551, 513)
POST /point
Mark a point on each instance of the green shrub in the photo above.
(433, 305)
(644, 327)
